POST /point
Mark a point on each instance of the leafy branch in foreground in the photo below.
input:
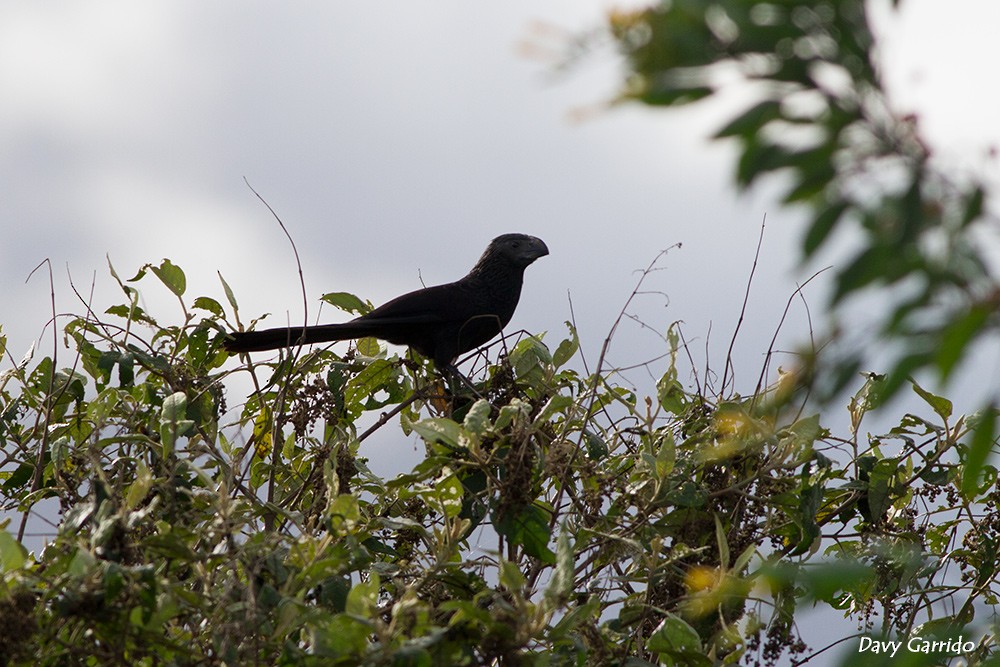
(820, 117)
(557, 517)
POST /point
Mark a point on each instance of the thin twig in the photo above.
(295, 251)
(36, 480)
(743, 310)
(386, 416)
(777, 329)
(293, 355)
(576, 330)
(592, 398)
(694, 368)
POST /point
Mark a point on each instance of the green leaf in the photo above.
(597, 448)
(344, 512)
(983, 439)
(721, 541)
(113, 582)
(440, 429)
(567, 348)
(133, 312)
(362, 601)
(914, 215)
(514, 411)
(575, 617)
(448, 491)
(528, 527)
(528, 359)
(341, 637)
(675, 638)
(750, 122)
(744, 559)
(379, 383)
(230, 297)
(58, 451)
(173, 423)
(870, 396)
(139, 275)
(511, 577)
(477, 418)
(809, 501)
(670, 393)
(974, 206)
(673, 95)
(867, 267)
(126, 370)
(333, 590)
(956, 337)
(688, 494)
(558, 404)
(209, 304)
(805, 432)
(289, 448)
(171, 275)
(828, 579)
(938, 475)
(18, 478)
(139, 488)
(759, 158)
(12, 554)
(666, 454)
(814, 171)
(347, 302)
(368, 347)
(563, 576)
(81, 563)
(942, 406)
(822, 225)
(881, 485)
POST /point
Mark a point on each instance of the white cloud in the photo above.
(86, 67)
(940, 64)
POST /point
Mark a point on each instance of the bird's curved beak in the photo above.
(535, 249)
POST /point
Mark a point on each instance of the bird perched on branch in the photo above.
(439, 322)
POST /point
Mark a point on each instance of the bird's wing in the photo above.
(377, 321)
(431, 305)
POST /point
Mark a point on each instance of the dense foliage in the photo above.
(557, 518)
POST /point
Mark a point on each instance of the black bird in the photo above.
(439, 322)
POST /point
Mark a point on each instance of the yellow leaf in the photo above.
(263, 432)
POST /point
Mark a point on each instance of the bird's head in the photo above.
(519, 249)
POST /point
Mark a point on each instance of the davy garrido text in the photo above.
(916, 644)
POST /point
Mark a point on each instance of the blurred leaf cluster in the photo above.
(557, 518)
(816, 113)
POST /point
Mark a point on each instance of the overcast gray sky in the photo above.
(395, 139)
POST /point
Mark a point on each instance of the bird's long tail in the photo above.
(272, 339)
